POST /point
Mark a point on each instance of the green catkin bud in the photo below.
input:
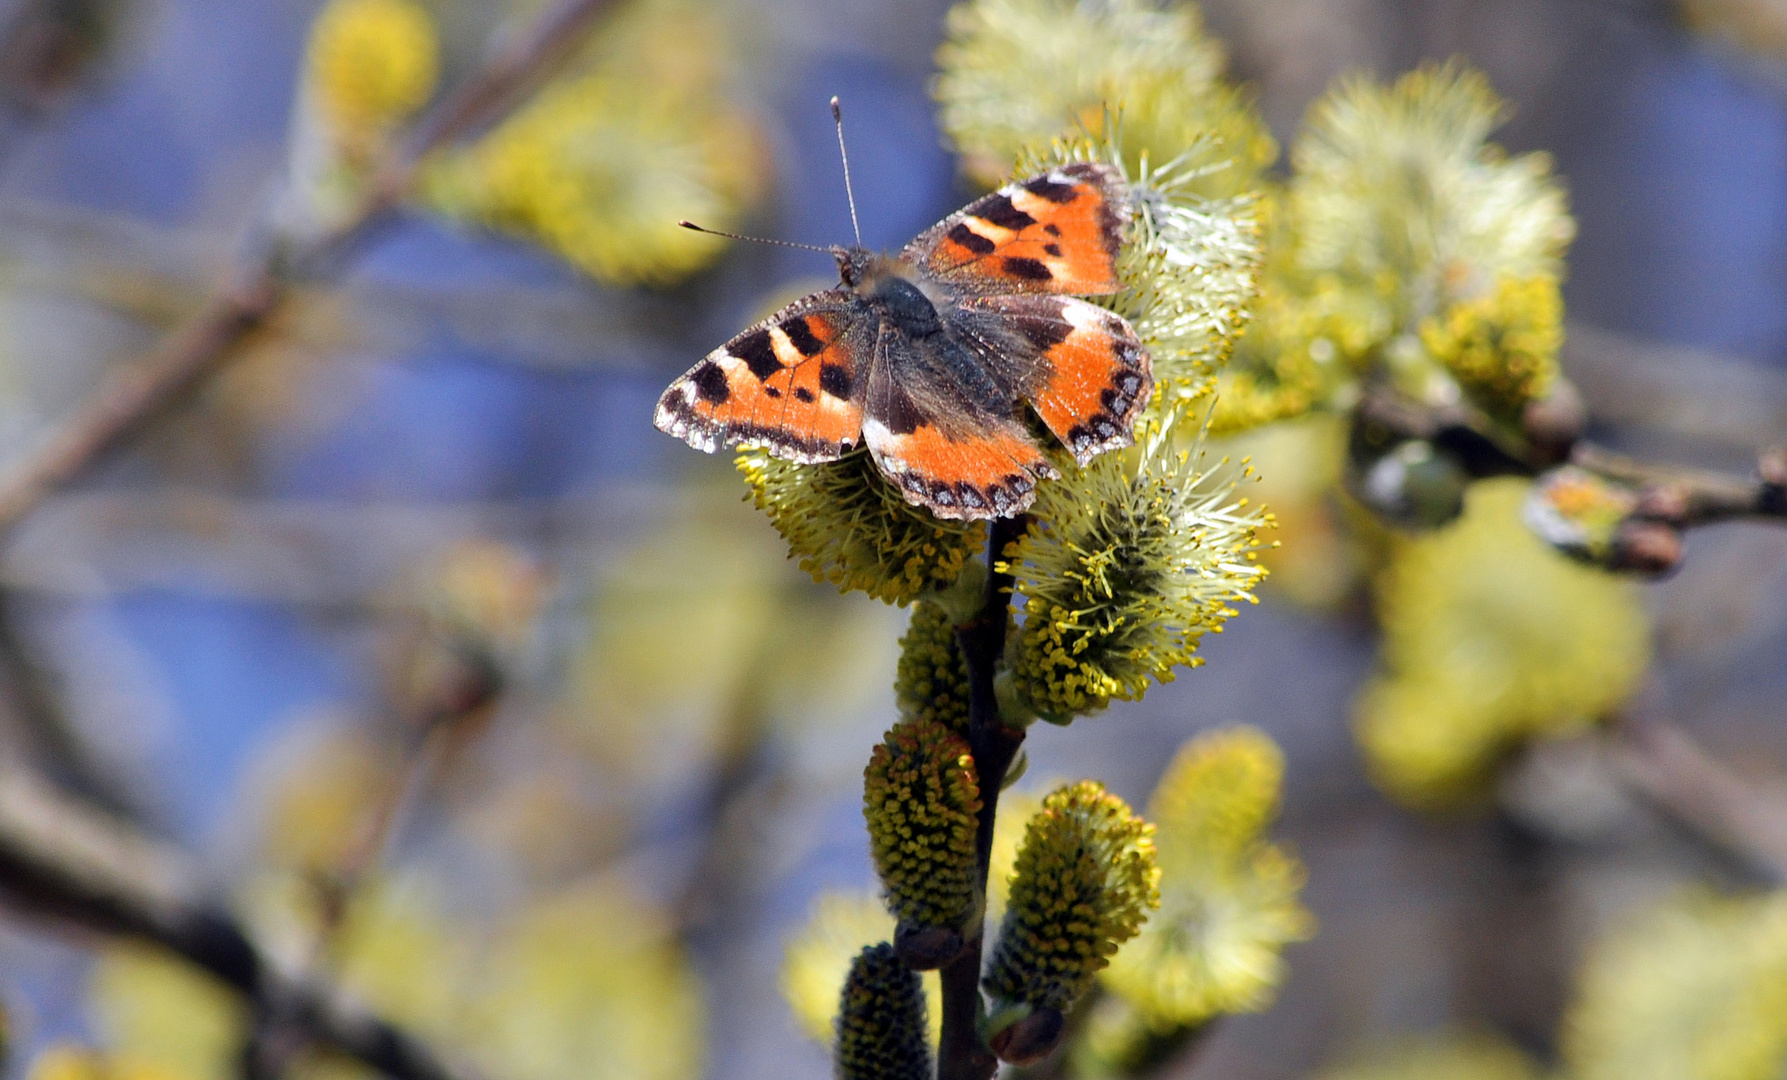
(931, 683)
(921, 798)
(881, 1020)
(849, 526)
(1084, 881)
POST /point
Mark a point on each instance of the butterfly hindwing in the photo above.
(792, 383)
(1082, 367)
(1058, 232)
(957, 456)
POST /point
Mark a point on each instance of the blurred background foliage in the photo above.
(636, 811)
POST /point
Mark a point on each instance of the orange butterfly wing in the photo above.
(1055, 233)
(792, 383)
(1088, 374)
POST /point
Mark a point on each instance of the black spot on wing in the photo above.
(1052, 229)
(1044, 188)
(970, 239)
(835, 380)
(1054, 250)
(998, 210)
(801, 336)
(710, 383)
(1045, 334)
(801, 393)
(1028, 269)
(758, 353)
(772, 391)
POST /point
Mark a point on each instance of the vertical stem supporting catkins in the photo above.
(962, 1055)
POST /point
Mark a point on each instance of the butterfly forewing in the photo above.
(792, 383)
(1059, 232)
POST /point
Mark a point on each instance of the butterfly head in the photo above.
(856, 264)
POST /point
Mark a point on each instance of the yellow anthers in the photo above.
(850, 527)
(921, 799)
(1126, 566)
(1490, 637)
(1502, 347)
(1444, 1056)
(371, 63)
(1014, 74)
(881, 1020)
(1228, 897)
(1188, 266)
(601, 163)
(816, 960)
(1696, 987)
(1400, 201)
(931, 682)
(1085, 880)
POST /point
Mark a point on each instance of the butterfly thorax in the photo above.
(893, 287)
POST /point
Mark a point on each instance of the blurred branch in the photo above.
(1689, 497)
(255, 291)
(962, 1055)
(66, 862)
(1745, 819)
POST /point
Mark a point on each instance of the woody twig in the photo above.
(82, 869)
(962, 1055)
(254, 291)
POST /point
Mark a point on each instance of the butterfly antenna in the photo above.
(837, 115)
(690, 225)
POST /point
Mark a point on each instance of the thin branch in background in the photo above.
(66, 862)
(961, 1054)
(254, 292)
(1741, 818)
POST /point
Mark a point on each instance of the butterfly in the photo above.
(926, 357)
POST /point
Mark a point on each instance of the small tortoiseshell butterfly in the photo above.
(926, 356)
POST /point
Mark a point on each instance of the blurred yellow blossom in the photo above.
(1228, 895)
(64, 1061)
(1014, 74)
(1692, 989)
(602, 162)
(158, 1016)
(371, 63)
(1489, 638)
(588, 983)
(816, 960)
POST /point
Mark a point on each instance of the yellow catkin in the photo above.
(921, 799)
(1084, 881)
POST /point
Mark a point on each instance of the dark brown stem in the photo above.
(254, 293)
(962, 1055)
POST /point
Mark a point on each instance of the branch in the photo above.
(254, 292)
(962, 1055)
(1688, 497)
(65, 862)
(1665, 766)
